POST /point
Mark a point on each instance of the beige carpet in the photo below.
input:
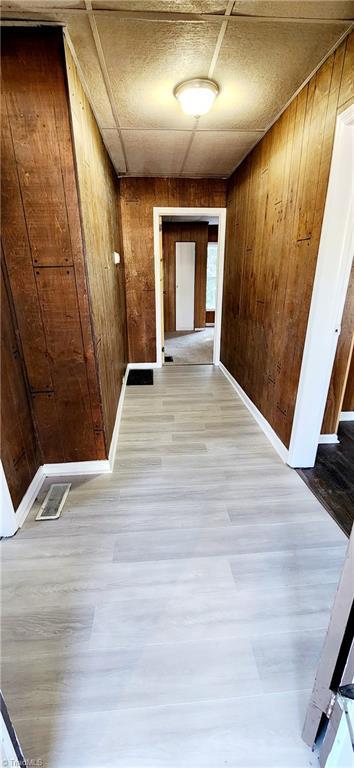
(190, 347)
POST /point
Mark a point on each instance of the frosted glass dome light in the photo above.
(197, 96)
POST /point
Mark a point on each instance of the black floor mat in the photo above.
(140, 376)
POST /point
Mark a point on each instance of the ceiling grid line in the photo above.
(249, 79)
(195, 18)
(221, 36)
(215, 56)
(105, 75)
(197, 130)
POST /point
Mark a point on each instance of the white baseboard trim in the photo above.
(29, 497)
(258, 416)
(324, 439)
(347, 416)
(142, 366)
(76, 468)
(116, 428)
(14, 519)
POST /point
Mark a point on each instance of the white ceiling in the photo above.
(132, 53)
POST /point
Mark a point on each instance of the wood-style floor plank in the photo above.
(332, 478)
(176, 601)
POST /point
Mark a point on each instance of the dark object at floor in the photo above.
(168, 359)
(332, 478)
(140, 376)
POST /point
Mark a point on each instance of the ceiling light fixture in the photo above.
(196, 96)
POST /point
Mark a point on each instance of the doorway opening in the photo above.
(189, 263)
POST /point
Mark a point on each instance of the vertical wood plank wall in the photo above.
(41, 235)
(44, 252)
(213, 233)
(341, 368)
(19, 448)
(137, 199)
(275, 208)
(348, 401)
(196, 232)
(98, 188)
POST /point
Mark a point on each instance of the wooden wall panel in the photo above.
(16, 247)
(196, 232)
(137, 199)
(348, 401)
(275, 209)
(43, 247)
(58, 300)
(213, 233)
(20, 453)
(98, 197)
(341, 369)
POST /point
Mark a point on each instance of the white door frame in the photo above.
(330, 286)
(163, 211)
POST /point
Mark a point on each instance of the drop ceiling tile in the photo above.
(155, 152)
(217, 153)
(114, 148)
(147, 60)
(46, 5)
(330, 9)
(171, 6)
(261, 66)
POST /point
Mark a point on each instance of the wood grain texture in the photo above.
(213, 233)
(43, 247)
(20, 454)
(341, 384)
(98, 200)
(137, 199)
(332, 477)
(201, 565)
(348, 401)
(58, 301)
(196, 232)
(276, 201)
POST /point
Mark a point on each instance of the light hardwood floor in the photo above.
(173, 616)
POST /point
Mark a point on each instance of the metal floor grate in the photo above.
(54, 501)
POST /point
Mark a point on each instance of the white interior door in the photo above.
(185, 275)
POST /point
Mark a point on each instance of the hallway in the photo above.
(176, 604)
(190, 347)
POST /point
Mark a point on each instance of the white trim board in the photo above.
(326, 439)
(166, 211)
(258, 416)
(142, 366)
(116, 428)
(347, 416)
(333, 268)
(12, 520)
(68, 468)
